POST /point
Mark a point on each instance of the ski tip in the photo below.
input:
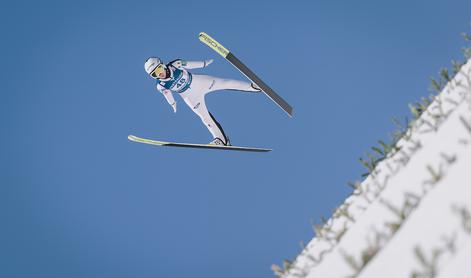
(212, 43)
(202, 36)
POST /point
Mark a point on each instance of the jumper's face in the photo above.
(159, 72)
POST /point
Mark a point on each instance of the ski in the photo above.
(197, 146)
(229, 56)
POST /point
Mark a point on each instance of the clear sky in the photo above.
(77, 199)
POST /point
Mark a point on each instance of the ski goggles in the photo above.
(158, 70)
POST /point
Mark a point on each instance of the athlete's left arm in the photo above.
(192, 64)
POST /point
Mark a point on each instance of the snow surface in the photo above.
(411, 217)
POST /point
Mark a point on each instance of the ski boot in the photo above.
(255, 87)
(219, 142)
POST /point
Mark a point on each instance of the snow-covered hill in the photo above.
(411, 217)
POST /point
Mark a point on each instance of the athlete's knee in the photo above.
(222, 84)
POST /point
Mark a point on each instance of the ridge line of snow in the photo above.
(420, 134)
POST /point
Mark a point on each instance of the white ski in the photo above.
(229, 56)
(199, 146)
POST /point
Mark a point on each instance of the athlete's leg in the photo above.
(212, 124)
(231, 84)
(195, 100)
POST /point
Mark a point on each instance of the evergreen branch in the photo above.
(377, 150)
(436, 176)
(437, 86)
(445, 75)
(466, 36)
(456, 66)
(351, 261)
(277, 270)
(465, 215)
(415, 112)
(466, 52)
(465, 124)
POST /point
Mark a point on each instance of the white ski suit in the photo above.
(193, 88)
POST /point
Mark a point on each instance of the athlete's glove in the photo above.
(174, 106)
(208, 62)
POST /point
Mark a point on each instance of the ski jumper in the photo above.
(193, 88)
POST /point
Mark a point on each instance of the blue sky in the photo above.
(78, 199)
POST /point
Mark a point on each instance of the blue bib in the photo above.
(179, 82)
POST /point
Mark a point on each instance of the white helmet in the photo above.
(151, 64)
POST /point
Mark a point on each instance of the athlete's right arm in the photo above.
(168, 96)
(191, 64)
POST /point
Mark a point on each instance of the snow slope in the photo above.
(411, 217)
